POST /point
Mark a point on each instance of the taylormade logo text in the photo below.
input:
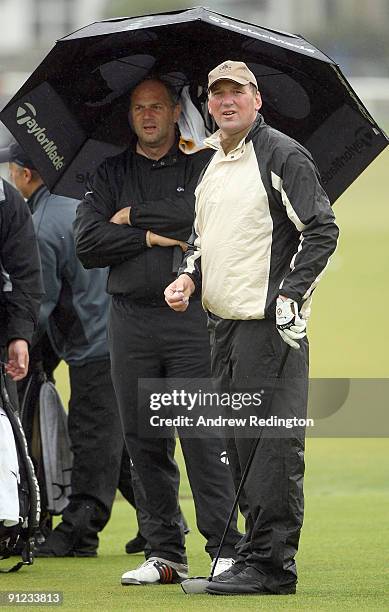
(25, 115)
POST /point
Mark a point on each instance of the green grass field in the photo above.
(346, 334)
(343, 559)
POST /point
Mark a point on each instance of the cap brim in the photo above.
(234, 80)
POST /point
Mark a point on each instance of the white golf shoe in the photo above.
(156, 571)
(223, 564)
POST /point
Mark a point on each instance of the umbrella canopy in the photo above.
(73, 110)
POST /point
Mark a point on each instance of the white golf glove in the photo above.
(289, 323)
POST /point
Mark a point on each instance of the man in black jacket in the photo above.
(20, 281)
(136, 220)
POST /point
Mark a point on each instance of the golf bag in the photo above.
(44, 421)
(19, 489)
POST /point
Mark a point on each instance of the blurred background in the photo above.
(355, 33)
(345, 329)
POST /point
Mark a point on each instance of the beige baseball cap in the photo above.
(232, 71)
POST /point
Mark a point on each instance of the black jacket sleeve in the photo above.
(100, 243)
(191, 263)
(170, 217)
(21, 280)
(309, 209)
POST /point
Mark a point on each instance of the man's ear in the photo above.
(258, 101)
(27, 175)
(209, 108)
(129, 117)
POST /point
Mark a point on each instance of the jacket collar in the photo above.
(167, 160)
(258, 124)
(34, 199)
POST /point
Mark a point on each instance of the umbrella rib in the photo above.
(122, 61)
(260, 76)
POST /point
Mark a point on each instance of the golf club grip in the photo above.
(246, 470)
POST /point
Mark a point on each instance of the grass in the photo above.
(346, 333)
(343, 558)
(341, 561)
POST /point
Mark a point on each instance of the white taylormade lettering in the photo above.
(33, 128)
(24, 116)
(49, 147)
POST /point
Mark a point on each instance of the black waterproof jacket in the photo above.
(21, 286)
(161, 194)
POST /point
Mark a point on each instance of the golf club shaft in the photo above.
(246, 470)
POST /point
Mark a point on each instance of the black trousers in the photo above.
(246, 356)
(99, 462)
(155, 342)
(95, 433)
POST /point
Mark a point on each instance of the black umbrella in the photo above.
(72, 111)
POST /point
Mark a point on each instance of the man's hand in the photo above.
(162, 241)
(122, 217)
(17, 366)
(177, 294)
(288, 321)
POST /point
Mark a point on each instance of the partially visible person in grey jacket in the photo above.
(74, 316)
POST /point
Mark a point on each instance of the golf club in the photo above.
(198, 584)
